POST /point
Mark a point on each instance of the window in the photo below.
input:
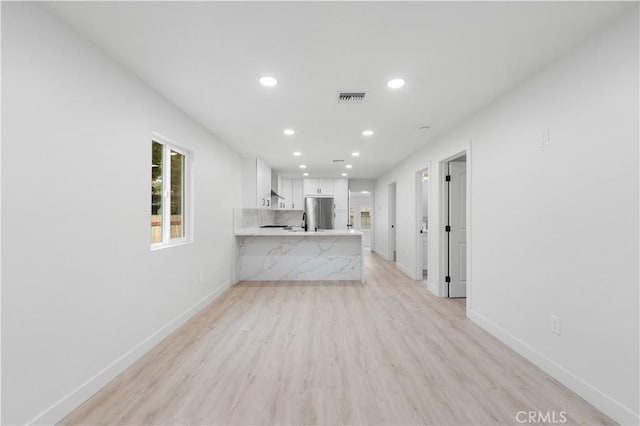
(168, 194)
(365, 218)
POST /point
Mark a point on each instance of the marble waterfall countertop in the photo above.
(274, 254)
(278, 232)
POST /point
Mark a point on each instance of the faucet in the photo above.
(304, 221)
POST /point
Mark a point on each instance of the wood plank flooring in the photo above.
(386, 352)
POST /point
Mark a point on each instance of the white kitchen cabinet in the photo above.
(286, 192)
(318, 187)
(263, 196)
(341, 194)
(256, 179)
(297, 195)
(310, 186)
(340, 219)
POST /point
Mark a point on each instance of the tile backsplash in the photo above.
(288, 217)
(254, 218)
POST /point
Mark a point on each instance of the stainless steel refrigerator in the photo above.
(319, 213)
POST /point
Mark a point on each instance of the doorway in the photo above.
(422, 217)
(360, 214)
(455, 238)
(392, 222)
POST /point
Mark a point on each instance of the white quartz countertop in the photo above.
(277, 232)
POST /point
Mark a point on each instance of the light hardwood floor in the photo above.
(301, 353)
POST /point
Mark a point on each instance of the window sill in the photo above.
(169, 245)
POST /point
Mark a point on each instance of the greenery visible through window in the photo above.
(156, 193)
(167, 206)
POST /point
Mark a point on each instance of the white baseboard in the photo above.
(433, 288)
(404, 270)
(609, 406)
(67, 404)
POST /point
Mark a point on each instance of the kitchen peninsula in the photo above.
(276, 254)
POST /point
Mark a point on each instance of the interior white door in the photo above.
(458, 234)
(392, 221)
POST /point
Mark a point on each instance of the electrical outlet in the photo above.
(555, 325)
(545, 139)
(201, 277)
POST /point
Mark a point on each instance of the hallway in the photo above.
(383, 352)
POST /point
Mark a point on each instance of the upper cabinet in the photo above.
(290, 191)
(263, 196)
(318, 187)
(297, 196)
(256, 179)
(341, 194)
(277, 186)
(286, 189)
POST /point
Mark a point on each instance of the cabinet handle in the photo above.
(263, 201)
(268, 203)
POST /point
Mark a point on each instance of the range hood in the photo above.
(274, 185)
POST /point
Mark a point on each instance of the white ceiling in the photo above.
(207, 57)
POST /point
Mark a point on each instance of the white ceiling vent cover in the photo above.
(351, 97)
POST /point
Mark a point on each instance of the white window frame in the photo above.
(168, 146)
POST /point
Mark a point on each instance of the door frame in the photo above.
(418, 224)
(393, 232)
(443, 169)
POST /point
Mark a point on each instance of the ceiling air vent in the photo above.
(338, 161)
(351, 97)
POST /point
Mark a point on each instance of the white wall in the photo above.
(83, 294)
(554, 230)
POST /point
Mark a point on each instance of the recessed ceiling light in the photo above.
(364, 192)
(289, 132)
(268, 81)
(355, 154)
(305, 174)
(302, 166)
(367, 133)
(348, 166)
(297, 153)
(344, 174)
(396, 83)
